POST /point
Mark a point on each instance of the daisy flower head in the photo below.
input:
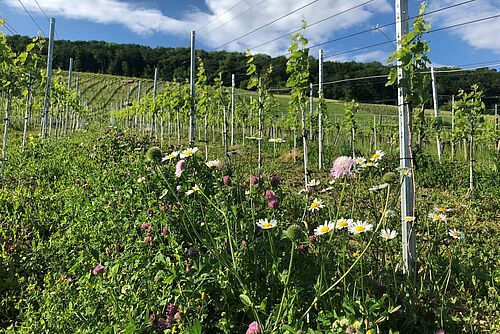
(316, 205)
(325, 228)
(442, 209)
(276, 140)
(359, 227)
(266, 224)
(188, 152)
(343, 223)
(342, 167)
(313, 183)
(456, 234)
(388, 234)
(193, 190)
(377, 155)
(404, 172)
(371, 164)
(170, 156)
(215, 164)
(437, 217)
(409, 219)
(361, 161)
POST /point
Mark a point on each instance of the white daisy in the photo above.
(188, 152)
(313, 183)
(170, 156)
(360, 227)
(388, 234)
(316, 205)
(214, 164)
(456, 234)
(361, 161)
(325, 228)
(266, 224)
(377, 155)
(343, 223)
(437, 217)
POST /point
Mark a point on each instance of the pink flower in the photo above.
(253, 328)
(99, 269)
(254, 179)
(270, 195)
(226, 179)
(273, 203)
(179, 168)
(164, 231)
(147, 227)
(342, 167)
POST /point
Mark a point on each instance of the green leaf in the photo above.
(245, 300)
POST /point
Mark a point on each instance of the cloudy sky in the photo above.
(234, 25)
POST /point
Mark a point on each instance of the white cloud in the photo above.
(144, 19)
(483, 35)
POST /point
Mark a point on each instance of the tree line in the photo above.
(173, 63)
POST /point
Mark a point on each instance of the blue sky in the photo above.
(169, 22)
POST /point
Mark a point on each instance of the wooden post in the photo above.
(436, 111)
(320, 110)
(405, 153)
(46, 100)
(192, 114)
(232, 109)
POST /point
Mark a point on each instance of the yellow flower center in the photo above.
(188, 152)
(267, 225)
(437, 217)
(314, 205)
(324, 229)
(360, 228)
(342, 223)
(441, 209)
(456, 234)
(375, 156)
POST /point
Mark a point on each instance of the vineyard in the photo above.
(133, 205)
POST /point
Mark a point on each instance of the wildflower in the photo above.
(456, 234)
(409, 219)
(325, 228)
(164, 231)
(342, 167)
(390, 213)
(147, 227)
(273, 203)
(254, 179)
(371, 164)
(442, 209)
(379, 187)
(327, 189)
(275, 181)
(243, 244)
(215, 164)
(193, 190)
(312, 238)
(276, 140)
(270, 195)
(313, 183)
(388, 234)
(170, 156)
(404, 172)
(343, 223)
(360, 227)
(316, 205)
(439, 331)
(253, 328)
(377, 155)
(179, 167)
(437, 217)
(99, 269)
(148, 240)
(360, 161)
(226, 179)
(253, 138)
(188, 152)
(266, 224)
(141, 179)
